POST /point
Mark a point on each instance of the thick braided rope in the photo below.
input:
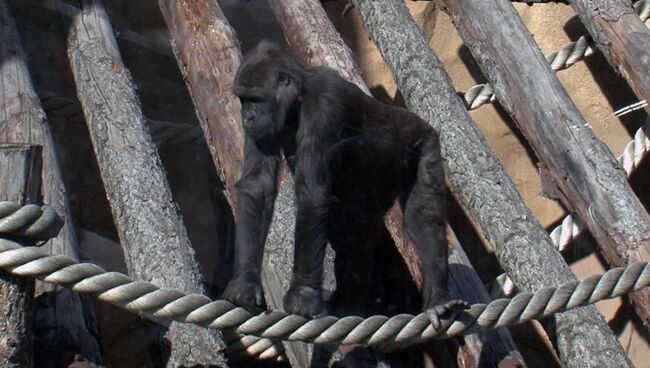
(29, 221)
(571, 226)
(387, 333)
(564, 58)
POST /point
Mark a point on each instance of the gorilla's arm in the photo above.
(256, 191)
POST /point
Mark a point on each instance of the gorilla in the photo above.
(351, 156)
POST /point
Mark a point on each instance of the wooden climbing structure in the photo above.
(177, 251)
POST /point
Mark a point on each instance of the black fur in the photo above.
(351, 157)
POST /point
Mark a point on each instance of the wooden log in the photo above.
(311, 35)
(66, 332)
(624, 40)
(20, 173)
(481, 185)
(148, 221)
(589, 179)
(208, 55)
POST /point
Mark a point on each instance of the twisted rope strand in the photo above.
(567, 56)
(386, 332)
(29, 221)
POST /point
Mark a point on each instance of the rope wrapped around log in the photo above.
(387, 333)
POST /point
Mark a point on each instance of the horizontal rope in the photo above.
(387, 333)
(29, 221)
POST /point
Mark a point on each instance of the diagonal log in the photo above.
(148, 221)
(481, 186)
(588, 177)
(624, 40)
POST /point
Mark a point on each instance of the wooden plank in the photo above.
(481, 185)
(20, 175)
(149, 225)
(22, 121)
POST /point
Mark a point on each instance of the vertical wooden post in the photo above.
(23, 121)
(622, 37)
(148, 221)
(20, 173)
(481, 185)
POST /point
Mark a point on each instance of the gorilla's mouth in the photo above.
(258, 130)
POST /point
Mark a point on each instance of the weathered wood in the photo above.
(621, 36)
(588, 176)
(208, 55)
(24, 122)
(20, 175)
(481, 185)
(148, 221)
(311, 35)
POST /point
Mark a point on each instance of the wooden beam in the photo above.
(621, 36)
(587, 176)
(20, 170)
(148, 221)
(481, 185)
(23, 121)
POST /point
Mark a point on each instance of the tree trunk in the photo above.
(588, 177)
(56, 335)
(481, 185)
(20, 170)
(310, 33)
(624, 40)
(148, 221)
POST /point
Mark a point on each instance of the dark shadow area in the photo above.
(465, 55)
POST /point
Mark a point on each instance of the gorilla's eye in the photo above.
(283, 79)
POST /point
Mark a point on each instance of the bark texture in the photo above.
(622, 37)
(481, 185)
(312, 36)
(23, 121)
(208, 55)
(149, 224)
(587, 175)
(20, 173)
